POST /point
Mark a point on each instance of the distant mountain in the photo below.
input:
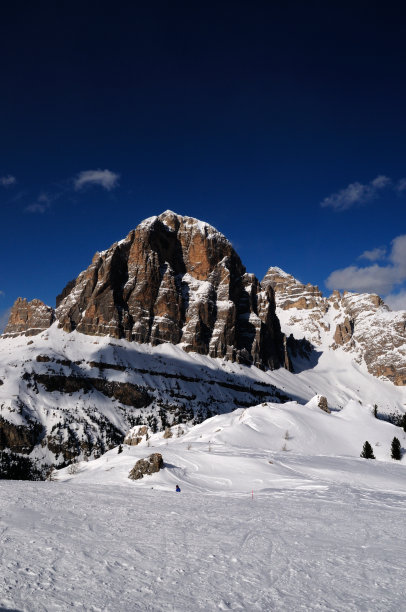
(166, 327)
(358, 323)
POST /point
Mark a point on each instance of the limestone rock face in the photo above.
(344, 331)
(29, 318)
(148, 466)
(135, 436)
(291, 292)
(176, 279)
(360, 324)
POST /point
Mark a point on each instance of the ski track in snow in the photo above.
(110, 547)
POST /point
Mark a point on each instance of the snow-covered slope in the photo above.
(321, 546)
(255, 527)
(258, 448)
(68, 395)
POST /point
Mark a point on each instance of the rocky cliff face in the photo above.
(358, 323)
(176, 279)
(29, 318)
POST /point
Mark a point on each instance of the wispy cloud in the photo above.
(356, 193)
(42, 204)
(396, 301)
(106, 179)
(374, 255)
(401, 185)
(376, 278)
(103, 178)
(7, 181)
(37, 207)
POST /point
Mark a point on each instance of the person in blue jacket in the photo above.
(177, 489)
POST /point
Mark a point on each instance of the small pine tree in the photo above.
(367, 452)
(376, 411)
(404, 422)
(120, 449)
(396, 452)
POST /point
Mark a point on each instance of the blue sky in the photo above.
(284, 127)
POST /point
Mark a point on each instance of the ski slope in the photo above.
(298, 547)
(312, 527)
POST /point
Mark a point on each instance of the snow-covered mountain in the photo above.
(358, 323)
(166, 327)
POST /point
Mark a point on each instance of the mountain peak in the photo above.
(176, 279)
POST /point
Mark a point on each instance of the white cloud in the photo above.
(357, 193)
(7, 181)
(381, 181)
(375, 278)
(104, 178)
(396, 301)
(398, 253)
(374, 254)
(401, 185)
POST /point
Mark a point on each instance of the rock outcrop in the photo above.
(323, 404)
(29, 318)
(176, 279)
(145, 467)
(136, 435)
(360, 324)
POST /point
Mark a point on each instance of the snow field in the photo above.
(90, 547)
(254, 528)
(259, 448)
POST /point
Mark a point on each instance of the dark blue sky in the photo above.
(272, 123)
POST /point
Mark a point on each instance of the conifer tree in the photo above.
(396, 452)
(367, 452)
(120, 449)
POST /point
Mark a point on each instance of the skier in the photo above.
(177, 489)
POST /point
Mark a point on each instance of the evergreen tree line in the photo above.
(18, 467)
(396, 418)
(396, 450)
